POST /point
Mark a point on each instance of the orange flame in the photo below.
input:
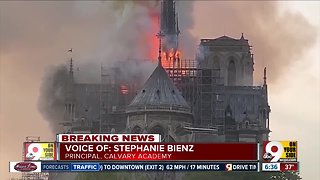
(153, 53)
(177, 54)
(171, 58)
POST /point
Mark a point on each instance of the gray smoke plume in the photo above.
(53, 94)
(130, 70)
(124, 44)
(127, 31)
(187, 42)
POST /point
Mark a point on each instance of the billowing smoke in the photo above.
(125, 44)
(129, 70)
(53, 94)
(187, 42)
(129, 29)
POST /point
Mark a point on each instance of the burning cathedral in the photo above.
(208, 99)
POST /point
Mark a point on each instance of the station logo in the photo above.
(228, 167)
(40, 151)
(280, 151)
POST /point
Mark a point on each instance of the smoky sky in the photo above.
(106, 32)
(127, 35)
(109, 31)
(35, 37)
(278, 39)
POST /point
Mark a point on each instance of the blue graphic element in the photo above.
(55, 167)
(85, 167)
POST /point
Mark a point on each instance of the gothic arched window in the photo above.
(216, 62)
(158, 130)
(136, 130)
(231, 73)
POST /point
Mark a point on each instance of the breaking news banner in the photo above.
(281, 166)
(40, 151)
(99, 138)
(147, 166)
(157, 152)
(25, 166)
(280, 151)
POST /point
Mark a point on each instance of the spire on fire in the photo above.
(160, 35)
(169, 27)
(169, 22)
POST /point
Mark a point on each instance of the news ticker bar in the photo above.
(151, 166)
(134, 166)
(281, 166)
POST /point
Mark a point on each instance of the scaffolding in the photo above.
(201, 89)
(105, 105)
(184, 78)
(210, 99)
(112, 103)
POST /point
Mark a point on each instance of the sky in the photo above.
(35, 35)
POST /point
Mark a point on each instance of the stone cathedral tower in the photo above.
(231, 56)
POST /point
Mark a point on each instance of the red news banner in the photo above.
(157, 151)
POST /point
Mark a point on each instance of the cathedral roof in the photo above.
(225, 38)
(159, 94)
(224, 41)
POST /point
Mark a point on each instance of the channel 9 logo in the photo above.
(39, 151)
(228, 167)
(280, 151)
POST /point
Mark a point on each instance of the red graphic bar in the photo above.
(157, 152)
(289, 167)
